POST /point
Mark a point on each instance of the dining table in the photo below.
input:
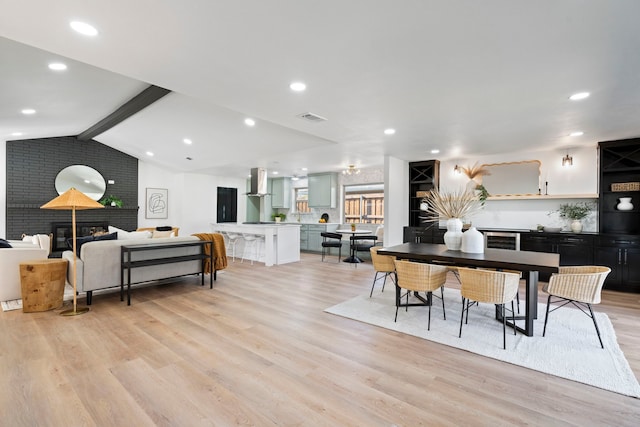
(527, 262)
(352, 258)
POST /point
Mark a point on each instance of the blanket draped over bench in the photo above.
(219, 251)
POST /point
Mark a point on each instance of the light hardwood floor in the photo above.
(259, 350)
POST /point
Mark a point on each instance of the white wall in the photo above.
(581, 178)
(192, 198)
(396, 199)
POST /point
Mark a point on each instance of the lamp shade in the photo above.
(72, 199)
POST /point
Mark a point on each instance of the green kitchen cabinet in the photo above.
(281, 193)
(323, 190)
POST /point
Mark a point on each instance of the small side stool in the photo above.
(42, 282)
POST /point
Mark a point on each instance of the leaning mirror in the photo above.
(512, 179)
(82, 178)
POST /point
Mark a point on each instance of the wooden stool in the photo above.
(42, 282)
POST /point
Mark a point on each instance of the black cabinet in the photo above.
(428, 234)
(622, 255)
(618, 246)
(574, 249)
(423, 176)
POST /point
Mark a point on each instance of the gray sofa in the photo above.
(99, 263)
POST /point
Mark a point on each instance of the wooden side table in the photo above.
(42, 282)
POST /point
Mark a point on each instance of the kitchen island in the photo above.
(281, 241)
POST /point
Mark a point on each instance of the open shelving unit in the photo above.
(619, 163)
(423, 176)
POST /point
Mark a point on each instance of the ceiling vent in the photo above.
(312, 117)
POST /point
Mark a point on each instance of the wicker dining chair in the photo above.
(384, 265)
(494, 287)
(419, 277)
(579, 286)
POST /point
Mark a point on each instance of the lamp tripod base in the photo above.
(72, 312)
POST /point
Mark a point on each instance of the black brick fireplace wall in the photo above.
(32, 166)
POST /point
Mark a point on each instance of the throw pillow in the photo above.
(159, 234)
(111, 236)
(130, 235)
(5, 244)
(164, 228)
(79, 242)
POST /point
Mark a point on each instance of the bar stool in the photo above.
(252, 243)
(230, 241)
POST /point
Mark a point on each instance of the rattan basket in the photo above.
(625, 186)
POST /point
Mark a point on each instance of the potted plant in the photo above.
(452, 206)
(112, 200)
(278, 217)
(575, 212)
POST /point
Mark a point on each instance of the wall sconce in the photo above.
(567, 160)
(457, 169)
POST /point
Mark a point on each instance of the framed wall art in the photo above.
(157, 203)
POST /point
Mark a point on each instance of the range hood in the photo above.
(258, 182)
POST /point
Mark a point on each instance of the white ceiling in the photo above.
(467, 77)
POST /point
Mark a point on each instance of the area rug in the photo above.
(569, 350)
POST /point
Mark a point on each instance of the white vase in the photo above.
(453, 235)
(576, 226)
(472, 241)
(625, 204)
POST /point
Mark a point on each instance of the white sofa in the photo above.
(10, 259)
(99, 263)
(42, 241)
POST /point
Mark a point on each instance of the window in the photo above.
(364, 204)
(302, 200)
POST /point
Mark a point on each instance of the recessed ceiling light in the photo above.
(576, 133)
(389, 131)
(187, 141)
(16, 134)
(304, 169)
(298, 86)
(149, 153)
(249, 122)
(28, 111)
(436, 151)
(578, 96)
(83, 28)
(275, 172)
(57, 66)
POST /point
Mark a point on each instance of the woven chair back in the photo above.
(421, 277)
(495, 287)
(382, 263)
(581, 283)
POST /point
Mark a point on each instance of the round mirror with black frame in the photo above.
(82, 178)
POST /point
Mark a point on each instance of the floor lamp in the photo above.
(72, 200)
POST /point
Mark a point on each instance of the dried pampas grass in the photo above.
(475, 171)
(456, 204)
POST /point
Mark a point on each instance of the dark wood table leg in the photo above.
(531, 305)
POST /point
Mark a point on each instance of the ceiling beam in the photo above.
(128, 109)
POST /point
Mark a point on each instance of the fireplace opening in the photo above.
(64, 230)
